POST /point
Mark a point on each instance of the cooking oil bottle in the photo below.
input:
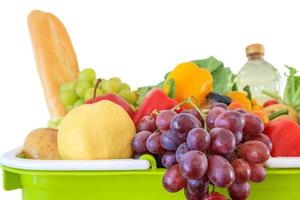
(258, 74)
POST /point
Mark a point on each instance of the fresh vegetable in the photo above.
(241, 98)
(41, 144)
(218, 98)
(156, 99)
(263, 116)
(285, 137)
(102, 130)
(270, 102)
(277, 107)
(291, 96)
(224, 80)
(189, 80)
(114, 98)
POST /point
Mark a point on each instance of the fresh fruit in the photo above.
(89, 93)
(88, 75)
(173, 181)
(231, 120)
(220, 172)
(222, 141)
(78, 103)
(254, 152)
(253, 124)
(183, 123)
(214, 196)
(153, 144)
(270, 102)
(98, 133)
(242, 170)
(139, 142)
(113, 98)
(164, 118)
(68, 97)
(193, 165)
(81, 88)
(169, 140)
(147, 123)
(239, 191)
(258, 173)
(169, 159)
(41, 144)
(220, 153)
(128, 96)
(212, 116)
(198, 139)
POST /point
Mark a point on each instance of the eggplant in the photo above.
(218, 98)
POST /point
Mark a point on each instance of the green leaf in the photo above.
(224, 79)
(172, 88)
(210, 63)
(248, 91)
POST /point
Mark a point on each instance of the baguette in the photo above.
(55, 57)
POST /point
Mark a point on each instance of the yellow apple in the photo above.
(102, 130)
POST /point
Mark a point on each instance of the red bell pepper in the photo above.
(285, 136)
(156, 99)
(114, 98)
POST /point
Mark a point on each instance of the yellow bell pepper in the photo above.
(241, 98)
(190, 80)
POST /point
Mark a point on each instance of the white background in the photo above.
(138, 41)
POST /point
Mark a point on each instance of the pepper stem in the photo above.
(278, 113)
(95, 89)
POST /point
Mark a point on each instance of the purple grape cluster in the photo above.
(229, 154)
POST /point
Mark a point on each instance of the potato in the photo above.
(42, 144)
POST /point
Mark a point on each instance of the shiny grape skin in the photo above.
(214, 196)
(191, 196)
(220, 105)
(197, 186)
(212, 115)
(239, 191)
(181, 150)
(173, 181)
(242, 170)
(169, 140)
(262, 138)
(153, 144)
(253, 124)
(258, 173)
(169, 159)
(147, 123)
(194, 112)
(222, 141)
(220, 172)
(198, 139)
(193, 165)
(164, 118)
(238, 137)
(183, 123)
(139, 142)
(231, 120)
(254, 152)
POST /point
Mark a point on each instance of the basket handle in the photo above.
(151, 159)
(11, 181)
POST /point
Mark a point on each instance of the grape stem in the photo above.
(95, 89)
(196, 106)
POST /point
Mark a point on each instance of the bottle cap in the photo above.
(255, 50)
